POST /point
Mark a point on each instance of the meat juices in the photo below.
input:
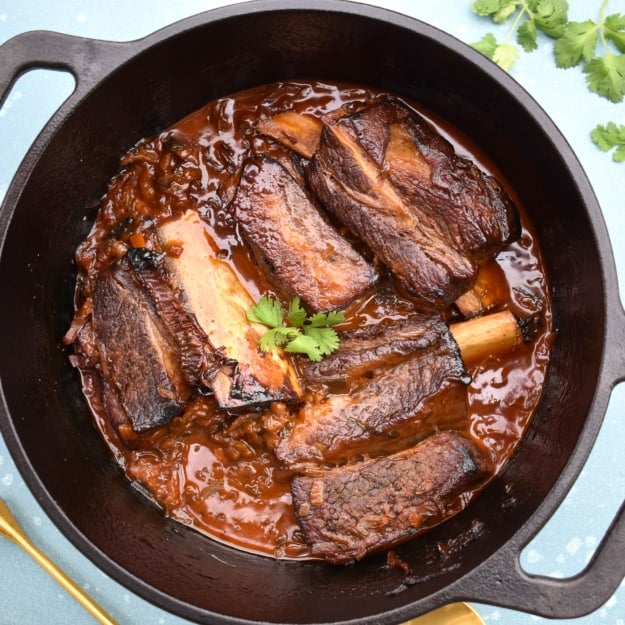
(348, 198)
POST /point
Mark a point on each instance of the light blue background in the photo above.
(27, 595)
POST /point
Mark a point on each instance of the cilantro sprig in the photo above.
(588, 43)
(310, 335)
(598, 46)
(549, 16)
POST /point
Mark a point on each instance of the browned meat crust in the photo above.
(367, 348)
(300, 250)
(433, 217)
(348, 512)
(139, 360)
(400, 405)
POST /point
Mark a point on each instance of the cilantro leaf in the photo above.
(305, 344)
(332, 318)
(610, 136)
(526, 36)
(276, 337)
(267, 311)
(614, 28)
(619, 154)
(498, 10)
(507, 8)
(296, 314)
(326, 339)
(606, 76)
(578, 42)
(550, 16)
(486, 45)
(486, 7)
(505, 55)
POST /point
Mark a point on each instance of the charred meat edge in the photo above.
(139, 361)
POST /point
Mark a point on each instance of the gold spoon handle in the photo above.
(10, 529)
(451, 614)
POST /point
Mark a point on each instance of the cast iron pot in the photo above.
(129, 90)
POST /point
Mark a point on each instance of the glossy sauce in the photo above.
(218, 474)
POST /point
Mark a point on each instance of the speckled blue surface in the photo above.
(565, 545)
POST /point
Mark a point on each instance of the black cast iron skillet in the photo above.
(129, 90)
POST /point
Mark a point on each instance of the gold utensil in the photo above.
(452, 614)
(9, 528)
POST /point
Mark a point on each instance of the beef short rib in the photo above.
(211, 291)
(164, 326)
(432, 216)
(302, 253)
(139, 359)
(402, 403)
(370, 347)
(350, 511)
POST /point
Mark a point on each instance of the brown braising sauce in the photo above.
(217, 473)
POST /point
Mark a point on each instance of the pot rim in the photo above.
(612, 369)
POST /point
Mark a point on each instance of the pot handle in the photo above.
(86, 59)
(502, 581)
